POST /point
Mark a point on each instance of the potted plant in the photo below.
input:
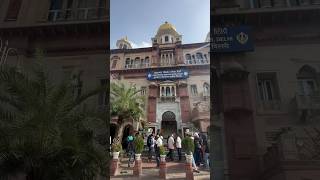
(139, 146)
(162, 153)
(116, 148)
(188, 147)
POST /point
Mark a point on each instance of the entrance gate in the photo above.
(168, 124)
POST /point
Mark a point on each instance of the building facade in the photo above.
(174, 78)
(73, 34)
(274, 135)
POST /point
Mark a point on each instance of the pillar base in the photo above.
(114, 167)
(137, 170)
(163, 170)
(189, 171)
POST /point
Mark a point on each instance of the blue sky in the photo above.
(140, 19)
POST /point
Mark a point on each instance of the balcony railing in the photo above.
(308, 102)
(164, 99)
(77, 14)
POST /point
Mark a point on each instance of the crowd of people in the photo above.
(201, 151)
(174, 147)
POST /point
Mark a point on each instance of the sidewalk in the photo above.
(175, 171)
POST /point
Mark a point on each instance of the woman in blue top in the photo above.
(130, 149)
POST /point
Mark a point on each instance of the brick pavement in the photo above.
(175, 171)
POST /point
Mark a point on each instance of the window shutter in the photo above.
(13, 10)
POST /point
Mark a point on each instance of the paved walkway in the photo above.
(175, 171)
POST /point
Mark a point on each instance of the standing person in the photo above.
(158, 144)
(197, 149)
(206, 152)
(201, 137)
(150, 144)
(195, 168)
(130, 149)
(178, 145)
(168, 139)
(171, 147)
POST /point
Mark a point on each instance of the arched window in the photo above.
(162, 91)
(127, 65)
(167, 59)
(114, 61)
(206, 89)
(205, 58)
(167, 91)
(194, 59)
(147, 61)
(168, 116)
(199, 58)
(188, 59)
(131, 63)
(166, 39)
(307, 80)
(137, 62)
(172, 91)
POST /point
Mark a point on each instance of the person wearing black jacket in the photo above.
(197, 149)
(206, 152)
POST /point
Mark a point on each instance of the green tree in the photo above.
(46, 132)
(127, 104)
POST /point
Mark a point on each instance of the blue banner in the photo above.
(168, 74)
(232, 39)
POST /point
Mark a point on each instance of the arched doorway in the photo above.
(113, 130)
(168, 124)
(126, 131)
(307, 81)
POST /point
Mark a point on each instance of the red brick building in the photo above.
(174, 77)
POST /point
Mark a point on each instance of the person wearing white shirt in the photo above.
(171, 147)
(178, 146)
(158, 144)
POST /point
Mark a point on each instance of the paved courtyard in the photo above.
(175, 171)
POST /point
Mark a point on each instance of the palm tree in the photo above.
(46, 133)
(126, 104)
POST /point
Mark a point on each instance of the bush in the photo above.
(187, 145)
(116, 147)
(139, 144)
(162, 150)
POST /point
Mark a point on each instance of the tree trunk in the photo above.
(119, 134)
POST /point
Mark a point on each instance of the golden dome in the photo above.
(167, 26)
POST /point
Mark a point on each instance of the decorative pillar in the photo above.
(114, 167)
(240, 134)
(184, 102)
(189, 171)
(163, 170)
(152, 102)
(137, 170)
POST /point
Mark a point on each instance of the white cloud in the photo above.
(140, 45)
